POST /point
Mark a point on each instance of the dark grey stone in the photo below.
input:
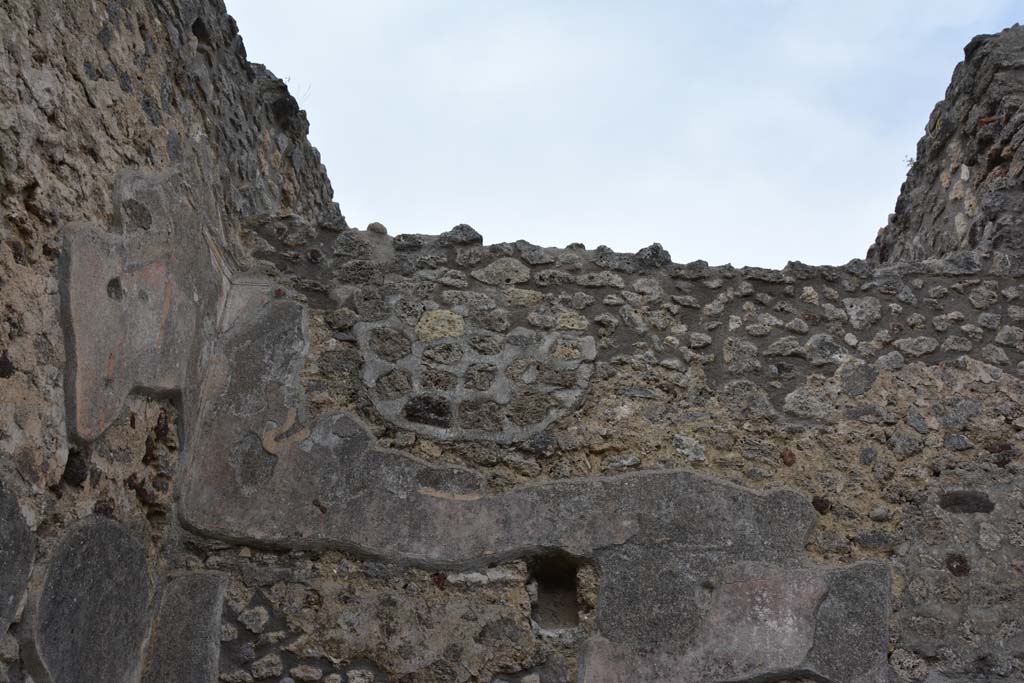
(905, 443)
(461, 234)
(185, 645)
(966, 502)
(917, 422)
(956, 413)
(822, 349)
(957, 442)
(428, 410)
(857, 378)
(654, 256)
(850, 637)
(390, 343)
(17, 550)
(867, 455)
(89, 619)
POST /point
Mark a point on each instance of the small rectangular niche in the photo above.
(555, 604)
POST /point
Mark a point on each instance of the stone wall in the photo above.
(241, 441)
(963, 190)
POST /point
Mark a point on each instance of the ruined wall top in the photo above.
(963, 190)
(92, 89)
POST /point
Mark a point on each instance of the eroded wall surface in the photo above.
(963, 190)
(241, 441)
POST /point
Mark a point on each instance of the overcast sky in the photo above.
(749, 132)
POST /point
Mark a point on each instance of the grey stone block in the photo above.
(136, 302)
(90, 616)
(185, 645)
(17, 550)
(762, 622)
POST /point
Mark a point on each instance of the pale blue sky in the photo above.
(744, 132)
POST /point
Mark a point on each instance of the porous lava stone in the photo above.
(428, 410)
